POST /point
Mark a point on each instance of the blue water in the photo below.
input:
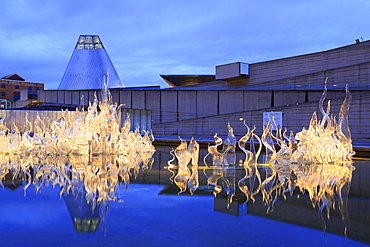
(146, 218)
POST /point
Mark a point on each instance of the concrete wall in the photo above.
(154, 104)
(187, 102)
(207, 103)
(168, 111)
(204, 113)
(356, 76)
(311, 63)
(296, 115)
(141, 119)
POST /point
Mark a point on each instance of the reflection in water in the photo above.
(83, 153)
(85, 217)
(86, 155)
(184, 154)
(327, 186)
(249, 184)
(223, 165)
(91, 183)
(319, 164)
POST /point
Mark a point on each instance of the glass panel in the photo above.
(88, 39)
(81, 39)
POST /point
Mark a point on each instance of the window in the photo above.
(3, 94)
(2, 85)
(16, 87)
(16, 96)
(30, 88)
(89, 39)
(37, 88)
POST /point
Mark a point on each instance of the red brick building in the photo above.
(11, 86)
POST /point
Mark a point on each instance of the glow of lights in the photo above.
(317, 161)
(85, 151)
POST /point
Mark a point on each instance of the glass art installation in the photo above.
(87, 155)
(184, 154)
(84, 152)
(317, 161)
(325, 141)
(223, 165)
(248, 183)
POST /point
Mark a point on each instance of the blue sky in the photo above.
(146, 38)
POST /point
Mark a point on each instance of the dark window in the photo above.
(16, 87)
(3, 94)
(2, 85)
(37, 88)
(30, 88)
(16, 96)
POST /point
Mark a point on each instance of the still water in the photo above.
(153, 214)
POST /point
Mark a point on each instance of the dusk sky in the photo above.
(146, 38)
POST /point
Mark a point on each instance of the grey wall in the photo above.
(335, 63)
(206, 112)
(295, 117)
(356, 76)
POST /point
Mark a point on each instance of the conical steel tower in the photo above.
(89, 66)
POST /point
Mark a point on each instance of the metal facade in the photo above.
(89, 66)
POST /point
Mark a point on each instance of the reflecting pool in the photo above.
(151, 213)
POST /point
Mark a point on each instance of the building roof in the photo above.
(44, 106)
(184, 80)
(343, 65)
(89, 66)
(13, 77)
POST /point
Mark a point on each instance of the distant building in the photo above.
(89, 66)
(11, 87)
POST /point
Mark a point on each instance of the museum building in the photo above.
(202, 105)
